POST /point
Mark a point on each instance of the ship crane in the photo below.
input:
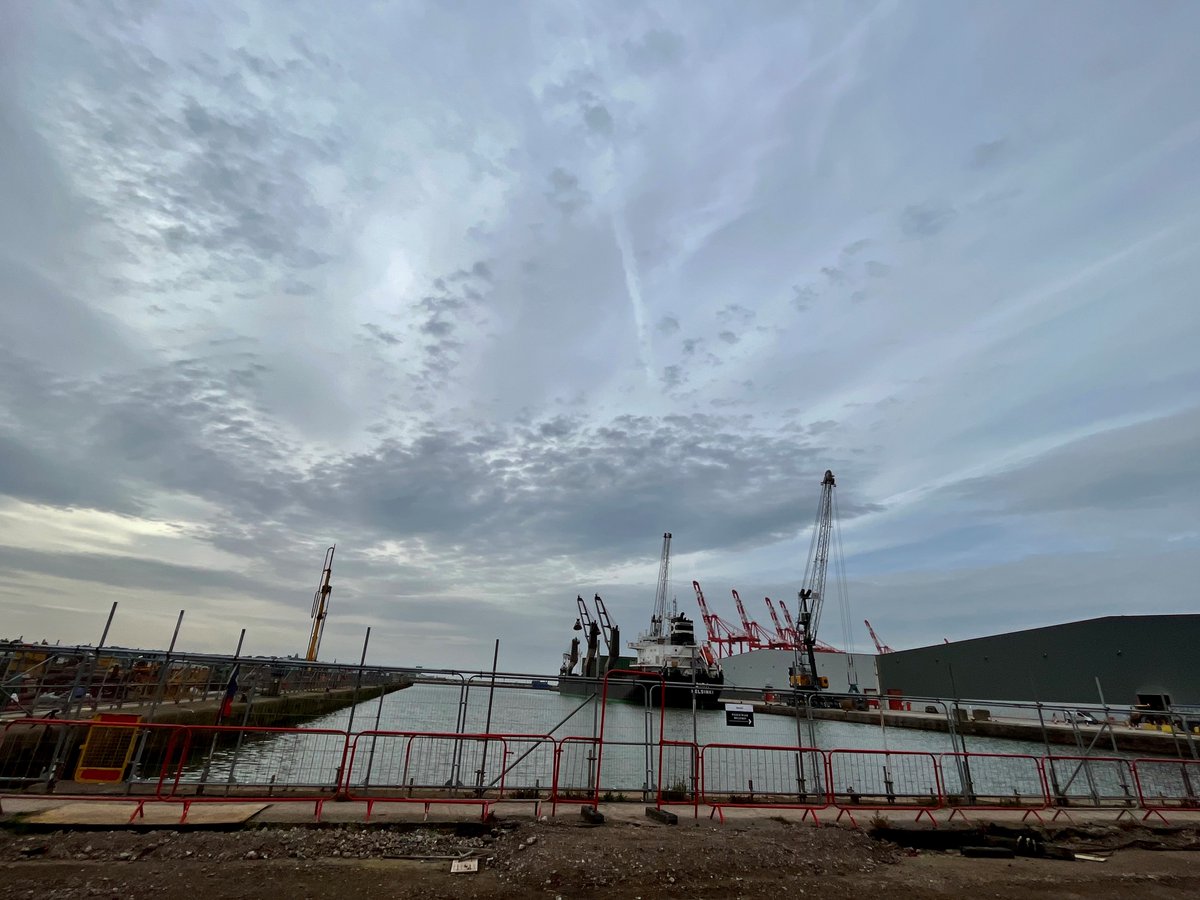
(880, 646)
(722, 637)
(320, 607)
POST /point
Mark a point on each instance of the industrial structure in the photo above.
(1143, 660)
(320, 607)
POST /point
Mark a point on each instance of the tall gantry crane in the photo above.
(320, 607)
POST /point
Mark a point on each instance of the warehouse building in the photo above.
(1147, 660)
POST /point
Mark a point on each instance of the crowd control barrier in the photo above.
(757, 776)
(884, 780)
(189, 764)
(993, 781)
(1167, 784)
(1095, 782)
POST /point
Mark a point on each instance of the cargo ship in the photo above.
(669, 667)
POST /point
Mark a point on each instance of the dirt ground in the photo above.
(565, 858)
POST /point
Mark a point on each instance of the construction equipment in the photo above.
(722, 636)
(320, 607)
(803, 673)
(759, 638)
(785, 636)
(880, 646)
(661, 613)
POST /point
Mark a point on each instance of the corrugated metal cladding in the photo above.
(1132, 656)
(769, 668)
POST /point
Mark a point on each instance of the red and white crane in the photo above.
(788, 640)
(722, 636)
(758, 637)
(880, 646)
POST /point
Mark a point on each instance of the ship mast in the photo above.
(660, 597)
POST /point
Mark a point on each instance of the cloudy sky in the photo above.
(492, 294)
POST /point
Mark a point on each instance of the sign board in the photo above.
(739, 714)
(459, 866)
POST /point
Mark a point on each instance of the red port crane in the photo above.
(722, 637)
(819, 645)
(757, 637)
(789, 642)
(880, 646)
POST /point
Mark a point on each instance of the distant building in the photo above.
(1148, 660)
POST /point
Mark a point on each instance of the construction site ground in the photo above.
(246, 852)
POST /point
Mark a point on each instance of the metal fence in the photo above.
(293, 730)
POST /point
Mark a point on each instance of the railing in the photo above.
(629, 752)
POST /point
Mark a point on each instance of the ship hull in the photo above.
(648, 689)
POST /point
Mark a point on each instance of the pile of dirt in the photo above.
(566, 859)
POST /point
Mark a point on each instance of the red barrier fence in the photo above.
(186, 765)
(755, 776)
(1169, 784)
(884, 780)
(993, 781)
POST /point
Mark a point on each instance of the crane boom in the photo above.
(320, 607)
(791, 625)
(783, 635)
(606, 625)
(721, 635)
(664, 588)
(880, 646)
(812, 595)
(747, 625)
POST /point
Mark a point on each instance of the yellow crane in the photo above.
(320, 607)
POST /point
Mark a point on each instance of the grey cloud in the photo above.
(1148, 467)
(565, 192)
(989, 152)
(668, 325)
(925, 219)
(728, 337)
(599, 119)
(735, 314)
(876, 269)
(382, 335)
(803, 296)
(655, 50)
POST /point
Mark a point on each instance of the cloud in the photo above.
(284, 277)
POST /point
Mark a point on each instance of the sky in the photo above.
(491, 295)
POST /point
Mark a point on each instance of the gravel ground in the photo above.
(566, 859)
